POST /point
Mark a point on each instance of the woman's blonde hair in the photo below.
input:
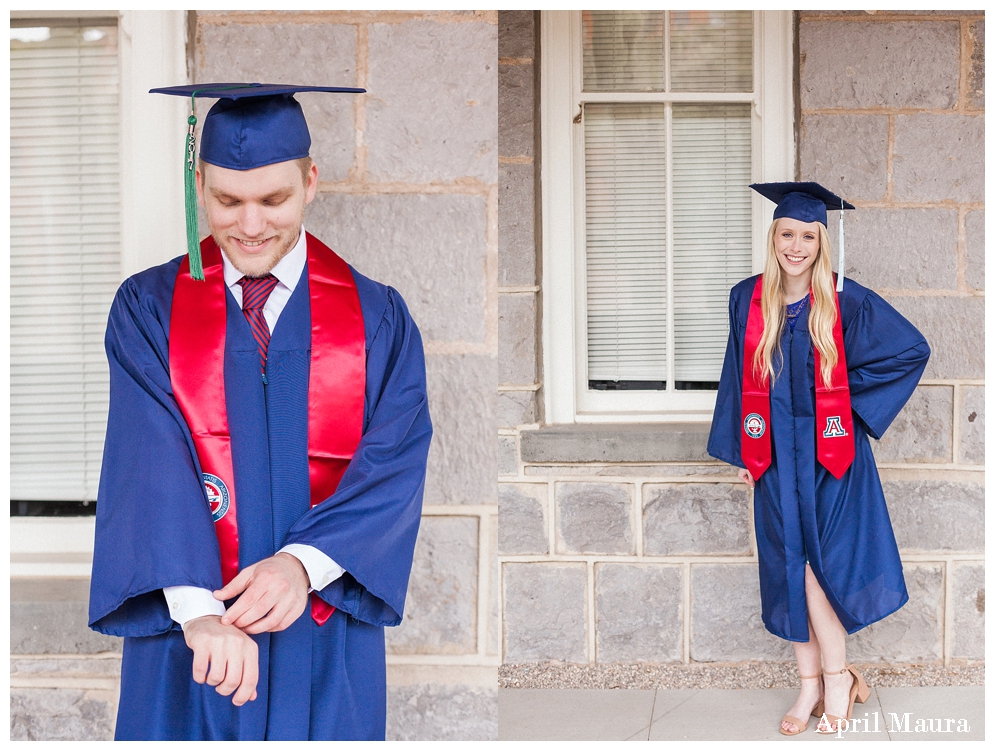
(821, 318)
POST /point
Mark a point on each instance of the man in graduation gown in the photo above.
(205, 564)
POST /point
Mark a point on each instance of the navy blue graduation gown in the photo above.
(154, 527)
(799, 507)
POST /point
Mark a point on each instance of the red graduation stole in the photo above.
(336, 384)
(833, 417)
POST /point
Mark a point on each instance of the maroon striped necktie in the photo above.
(255, 293)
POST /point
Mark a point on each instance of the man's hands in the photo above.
(745, 476)
(223, 657)
(272, 594)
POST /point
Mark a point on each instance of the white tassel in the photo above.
(839, 275)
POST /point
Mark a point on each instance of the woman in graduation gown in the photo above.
(812, 369)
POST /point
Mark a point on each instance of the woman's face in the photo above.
(796, 245)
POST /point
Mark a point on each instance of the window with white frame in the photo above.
(93, 199)
(64, 250)
(654, 124)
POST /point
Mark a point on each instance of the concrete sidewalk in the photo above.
(730, 714)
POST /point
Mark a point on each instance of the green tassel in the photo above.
(190, 199)
(190, 187)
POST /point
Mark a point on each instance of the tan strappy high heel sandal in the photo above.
(859, 692)
(817, 711)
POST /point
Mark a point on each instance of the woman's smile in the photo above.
(796, 244)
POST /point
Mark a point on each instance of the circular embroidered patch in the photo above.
(754, 425)
(217, 496)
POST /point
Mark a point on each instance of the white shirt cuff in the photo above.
(186, 603)
(321, 570)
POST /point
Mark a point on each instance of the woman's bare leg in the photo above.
(809, 658)
(832, 643)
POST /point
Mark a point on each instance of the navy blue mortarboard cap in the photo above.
(251, 125)
(807, 202)
(804, 201)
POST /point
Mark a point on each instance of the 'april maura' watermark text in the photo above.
(872, 722)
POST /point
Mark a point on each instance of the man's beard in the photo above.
(275, 257)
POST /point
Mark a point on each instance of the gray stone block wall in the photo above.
(972, 425)
(696, 519)
(847, 153)
(927, 168)
(640, 614)
(594, 518)
(516, 224)
(63, 676)
(907, 249)
(49, 617)
(61, 714)
(507, 455)
(517, 338)
(441, 712)
(545, 612)
(859, 63)
(974, 251)
(923, 430)
(518, 261)
(976, 74)
(915, 632)
(726, 625)
(544, 608)
(440, 614)
(969, 611)
(937, 515)
(516, 407)
(440, 275)
(522, 519)
(432, 112)
(891, 117)
(462, 462)
(954, 326)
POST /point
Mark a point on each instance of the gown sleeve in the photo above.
(154, 526)
(885, 357)
(369, 525)
(724, 437)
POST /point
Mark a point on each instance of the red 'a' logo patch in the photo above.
(834, 429)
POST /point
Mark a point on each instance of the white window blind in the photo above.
(711, 50)
(626, 183)
(667, 207)
(712, 228)
(64, 252)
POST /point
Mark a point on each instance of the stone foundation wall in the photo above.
(626, 544)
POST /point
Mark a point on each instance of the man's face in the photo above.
(255, 215)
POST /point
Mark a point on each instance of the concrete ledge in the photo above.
(662, 442)
(49, 616)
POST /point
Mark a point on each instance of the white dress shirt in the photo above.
(185, 602)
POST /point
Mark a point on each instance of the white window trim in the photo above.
(567, 399)
(152, 46)
(152, 52)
